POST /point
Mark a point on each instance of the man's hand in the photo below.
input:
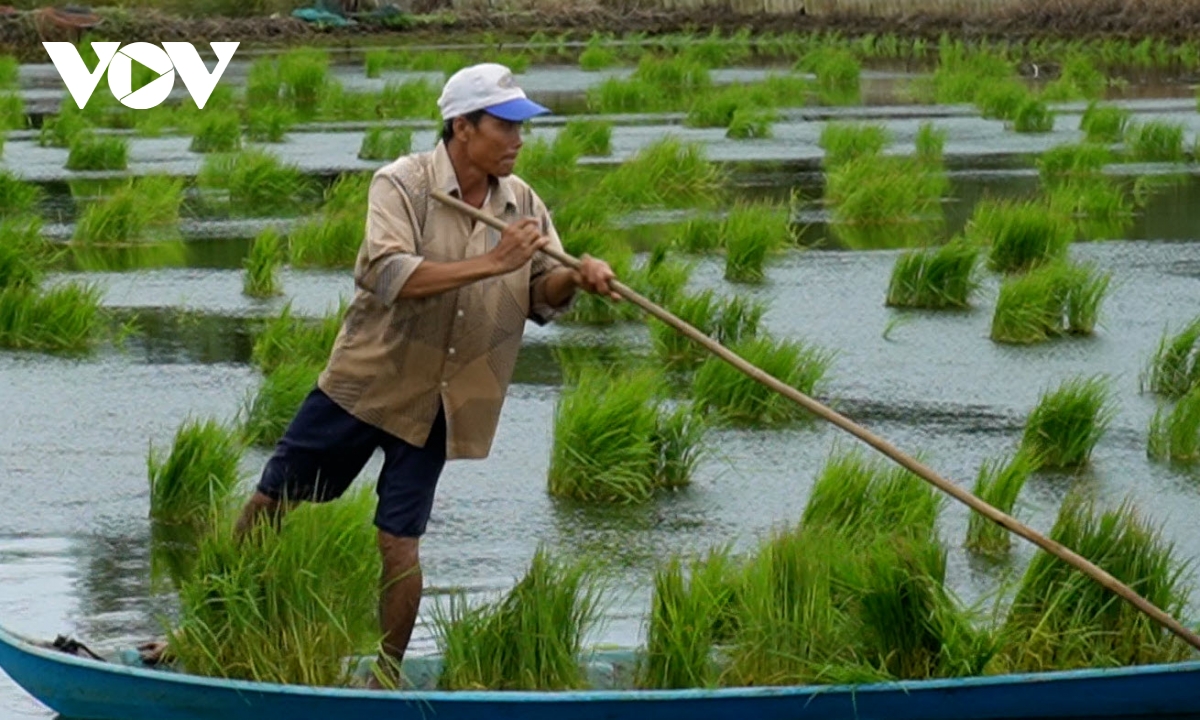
(518, 243)
(594, 276)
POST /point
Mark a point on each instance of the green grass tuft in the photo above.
(1175, 368)
(1002, 100)
(591, 137)
(265, 417)
(667, 173)
(1054, 300)
(885, 190)
(1033, 116)
(837, 72)
(1068, 421)
(1022, 235)
(287, 338)
(999, 484)
(257, 183)
(1175, 434)
(269, 123)
(1104, 123)
(1155, 141)
(63, 319)
(90, 151)
(750, 233)
(262, 265)
(23, 255)
(843, 142)
(930, 145)
(381, 143)
(735, 398)
(17, 197)
(144, 209)
(219, 131)
(937, 278)
(1064, 164)
(304, 79)
(197, 476)
(728, 321)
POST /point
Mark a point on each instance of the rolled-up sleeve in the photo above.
(540, 310)
(388, 255)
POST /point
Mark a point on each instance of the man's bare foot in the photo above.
(155, 652)
(385, 675)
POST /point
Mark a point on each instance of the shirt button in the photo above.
(460, 313)
(445, 384)
(451, 351)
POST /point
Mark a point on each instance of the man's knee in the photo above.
(400, 555)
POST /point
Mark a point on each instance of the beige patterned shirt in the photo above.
(396, 358)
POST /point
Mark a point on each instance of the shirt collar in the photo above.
(446, 180)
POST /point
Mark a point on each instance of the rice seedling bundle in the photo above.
(1033, 116)
(750, 234)
(1054, 300)
(1104, 123)
(934, 279)
(22, 252)
(219, 131)
(269, 122)
(267, 414)
(144, 209)
(698, 235)
(999, 483)
(960, 76)
(286, 338)
(690, 607)
(530, 639)
(550, 165)
(871, 189)
(1068, 421)
(9, 70)
(751, 123)
(348, 193)
(677, 78)
(65, 318)
(12, 112)
(662, 277)
(90, 151)
(381, 143)
(17, 197)
(843, 142)
(304, 78)
(1064, 164)
(59, 130)
(1001, 100)
(1175, 433)
(837, 72)
(714, 51)
(614, 441)
(930, 145)
(262, 265)
(286, 606)
(717, 108)
(411, 99)
(1175, 367)
(598, 54)
(735, 398)
(1022, 235)
(1099, 207)
(597, 310)
(1155, 141)
(614, 95)
(197, 476)
(258, 184)
(1080, 80)
(729, 321)
(264, 86)
(591, 137)
(1061, 619)
(667, 173)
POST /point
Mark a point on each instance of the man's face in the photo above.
(492, 145)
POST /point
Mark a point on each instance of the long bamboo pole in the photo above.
(900, 457)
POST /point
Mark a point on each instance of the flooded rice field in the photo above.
(74, 433)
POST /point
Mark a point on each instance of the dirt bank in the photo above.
(21, 34)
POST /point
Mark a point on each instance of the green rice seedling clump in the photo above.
(257, 183)
(598, 54)
(877, 190)
(691, 604)
(287, 338)
(726, 321)
(217, 132)
(609, 437)
(934, 279)
(698, 235)
(678, 440)
(716, 109)
(197, 476)
(1022, 235)
(262, 265)
(22, 252)
(1065, 164)
(930, 145)
(266, 415)
(751, 123)
(1080, 80)
(9, 70)
(837, 72)
(663, 276)
(1060, 619)
(59, 130)
(263, 83)
(751, 233)
(1001, 100)
(1155, 141)
(999, 483)
(591, 137)
(90, 151)
(17, 196)
(304, 78)
(1033, 116)
(1175, 368)
(591, 309)
(12, 112)
(1068, 421)
(348, 194)
(843, 142)
(735, 398)
(530, 639)
(286, 606)
(269, 123)
(1104, 123)
(381, 143)
(145, 209)
(1175, 433)
(63, 319)
(411, 99)
(1054, 300)
(667, 173)
(550, 165)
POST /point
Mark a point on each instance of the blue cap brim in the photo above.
(518, 110)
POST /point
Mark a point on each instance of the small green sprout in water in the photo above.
(90, 151)
(938, 278)
(262, 265)
(999, 483)
(530, 639)
(735, 398)
(1175, 433)
(1068, 421)
(1175, 368)
(381, 143)
(197, 475)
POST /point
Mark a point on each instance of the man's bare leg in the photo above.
(399, 601)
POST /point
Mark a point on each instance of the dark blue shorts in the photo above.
(325, 448)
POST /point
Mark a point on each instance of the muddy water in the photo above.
(74, 541)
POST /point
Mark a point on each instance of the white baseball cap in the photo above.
(489, 87)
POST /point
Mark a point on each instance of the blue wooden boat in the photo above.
(84, 688)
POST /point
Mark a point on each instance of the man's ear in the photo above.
(461, 126)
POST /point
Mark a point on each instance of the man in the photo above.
(426, 351)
